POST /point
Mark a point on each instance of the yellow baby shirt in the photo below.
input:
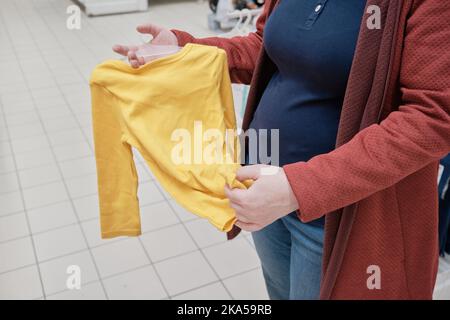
(171, 110)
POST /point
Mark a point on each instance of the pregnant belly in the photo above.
(303, 131)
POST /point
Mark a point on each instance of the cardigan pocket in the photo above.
(314, 15)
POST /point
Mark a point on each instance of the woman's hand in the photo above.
(160, 35)
(268, 199)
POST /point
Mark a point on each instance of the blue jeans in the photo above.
(291, 258)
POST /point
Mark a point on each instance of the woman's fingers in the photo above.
(249, 172)
(250, 227)
(236, 196)
(141, 61)
(124, 50)
(240, 213)
(152, 29)
(134, 60)
(161, 36)
(132, 55)
(134, 63)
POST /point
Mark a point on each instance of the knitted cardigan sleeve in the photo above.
(415, 135)
(242, 51)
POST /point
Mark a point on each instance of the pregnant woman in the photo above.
(360, 93)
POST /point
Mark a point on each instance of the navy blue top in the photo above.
(312, 43)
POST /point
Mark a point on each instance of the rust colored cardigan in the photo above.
(378, 188)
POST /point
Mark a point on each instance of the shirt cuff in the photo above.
(182, 37)
(303, 187)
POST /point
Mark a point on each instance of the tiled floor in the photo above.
(48, 202)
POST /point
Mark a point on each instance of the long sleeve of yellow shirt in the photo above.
(172, 110)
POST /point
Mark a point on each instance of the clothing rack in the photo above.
(228, 21)
(246, 12)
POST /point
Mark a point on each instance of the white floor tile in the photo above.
(67, 137)
(39, 82)
(147, 169)
(7, 164)
(69, 78)
(137, 156)
(92, 291)
(176, 241)
(16, 254)
(44, 195)
(51, 103)
(204, 233)
(8, 182)
(247, 286)
(36, 176)
(30, 144)
(81, 105)
(4, 137)
(72, 151)
(59, 242)
(26, 131)
(76, 91)
(232, 257)
(13, 88)
(442, 293)
(22, 284)
(5, 149)
(89, 136)
(12, 100)
(156, 216)
(119, 257)
(45, 94)
(22, 118)
(215, 291)
(82, 186)
(163, 191)
(56, 111)
(250, 240)
(35, 159)
(148, 193)
(22, 107)
(78, 167)
(13, 226)
(182, 213)
(92, 231)
(140, 284)
(11, 202)
(143, 174)
(185, 273)
(55, 272)
(51, 217)
(55, 125)
(87, 207)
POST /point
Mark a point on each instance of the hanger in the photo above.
(246, 25)
(242, 26)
